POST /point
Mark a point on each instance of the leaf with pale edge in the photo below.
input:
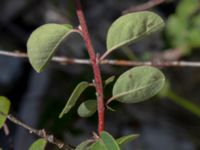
(4, 108)
(74, 97)
(87, 108)
(39, 144)
(83, 145)
(109, 141)
(44, 41)
(125, 139)
(129, 28)
(138, 84)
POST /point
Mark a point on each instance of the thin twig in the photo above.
(9, 139)
(65, 61)
(148, 5)
(14, 54)
(152, 63)
(61, 60)
(6, 129)
(41, 133)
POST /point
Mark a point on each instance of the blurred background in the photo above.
(169, 121)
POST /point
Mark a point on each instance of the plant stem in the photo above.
(41, 133)
(95, 65)
(187, 104)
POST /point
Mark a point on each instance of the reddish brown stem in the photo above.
(95, 65)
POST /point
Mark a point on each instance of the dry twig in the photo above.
(65, 61)
(41, 133)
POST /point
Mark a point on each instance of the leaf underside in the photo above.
(138, 84)
(131, 27)
(43, 43)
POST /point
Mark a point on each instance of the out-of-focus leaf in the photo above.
(74, 97)
(129, 28)
(177, 34)
(194, 38)
(181, 33)
(4, 108)
(43, 43)
(186, 8)
(138, 84)
(196, 21)
(87, 108)
(39, 144)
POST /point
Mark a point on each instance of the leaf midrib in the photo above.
(55, 47)
(127, 41)
(131, 91)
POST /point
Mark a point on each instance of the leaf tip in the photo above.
(61, 115)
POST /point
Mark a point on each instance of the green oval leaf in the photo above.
(43, 43)
(83, 145)
(125, 139)
(98, 145)
(109, 141)
(131, 27)
(87, 108)
(74, 97)
(138, 84)
(39, 144)
(4, 108)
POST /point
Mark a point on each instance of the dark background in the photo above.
(37, 99)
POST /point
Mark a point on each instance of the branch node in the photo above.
(50, 138)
